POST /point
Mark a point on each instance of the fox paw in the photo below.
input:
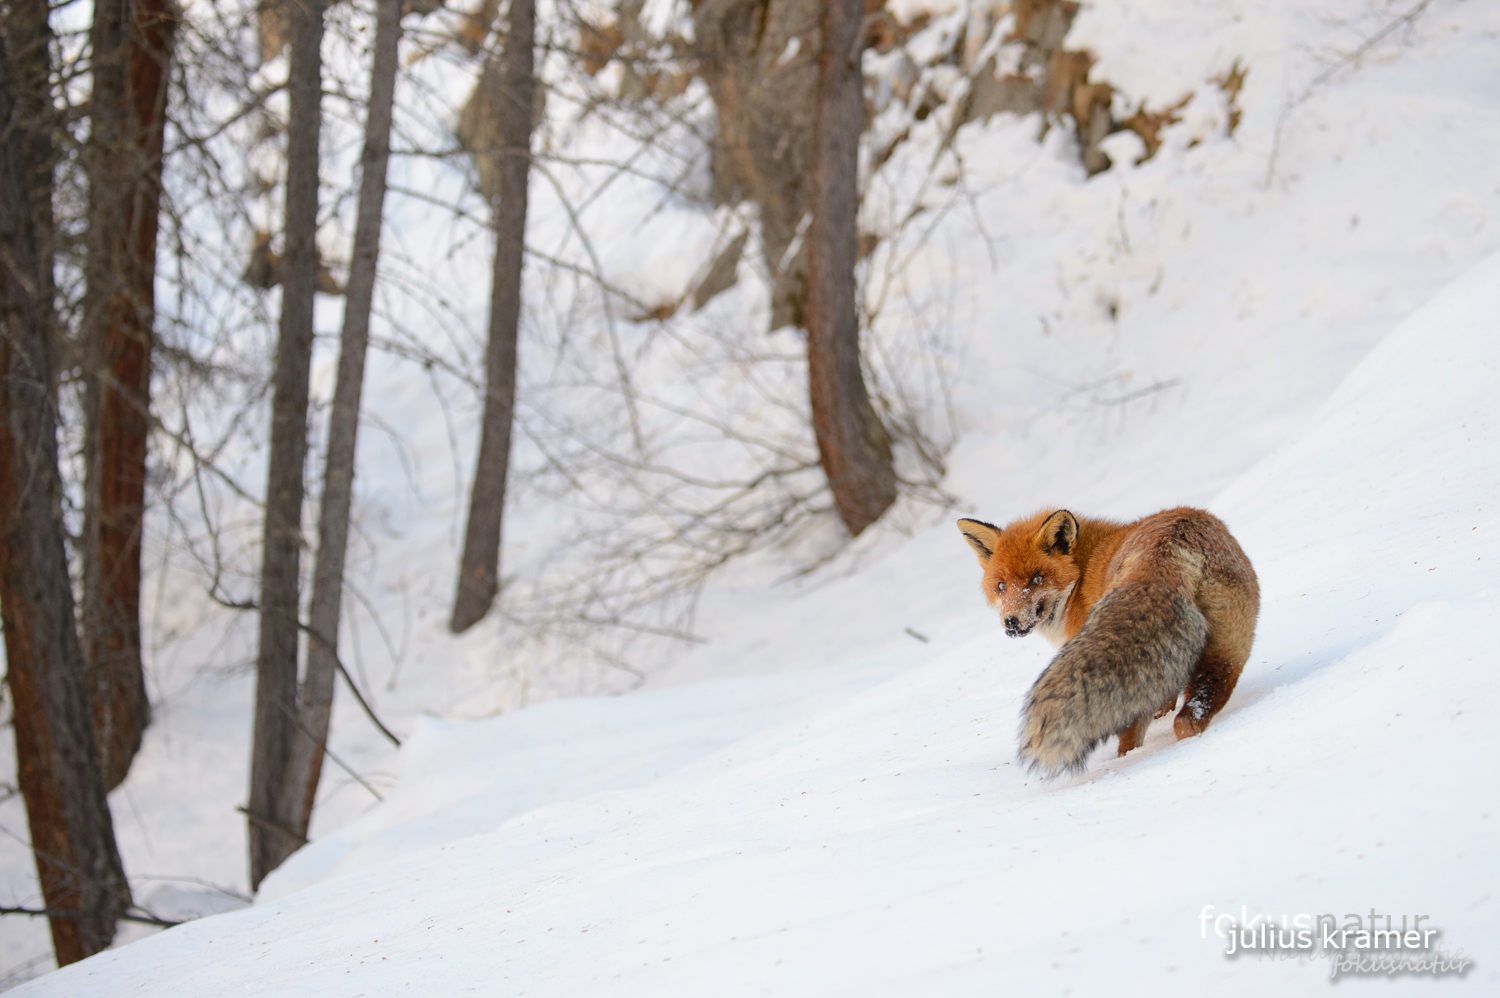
(1187, 727)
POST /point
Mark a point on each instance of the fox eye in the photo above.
(1000, 587)
(1036, 579)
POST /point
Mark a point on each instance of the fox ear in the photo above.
(1059, 533)
(981, 537)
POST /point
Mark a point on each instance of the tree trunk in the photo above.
(28, 35)
(271, 839)
(762, 145)
(852, 443)
(131, 45)
(72, 834)
(306, 763)
(479, 570)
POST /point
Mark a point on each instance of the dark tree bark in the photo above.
(271, 841)
(132, 45)
(29, 40)
(479, 570)
(72, 834)
(852, 443)
(305, 765)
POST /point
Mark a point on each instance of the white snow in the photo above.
(748, 836)
(817, 802)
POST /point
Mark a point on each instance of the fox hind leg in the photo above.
(1230, 606)
(1208, 689)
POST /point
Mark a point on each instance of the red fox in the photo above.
(1141, 612)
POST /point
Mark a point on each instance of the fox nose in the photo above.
(1012, 623)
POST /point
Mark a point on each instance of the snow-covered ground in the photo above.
(823, 799)
(850, 830)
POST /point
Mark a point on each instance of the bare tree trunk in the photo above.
(479, 570)
(271, 839)
(72, 834)
(852, 443)
(28, 36)
(306, 763)
(132, 46)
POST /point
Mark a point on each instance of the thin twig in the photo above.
(1364, 47)
(145, 919)
(329, 752)
(274, 826)
(353, 688)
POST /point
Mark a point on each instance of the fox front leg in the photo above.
(1135, 735)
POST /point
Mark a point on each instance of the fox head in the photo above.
(1029, 569)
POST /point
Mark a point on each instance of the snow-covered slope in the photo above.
(881, 841)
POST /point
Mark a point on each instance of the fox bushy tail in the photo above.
(1135, 650)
